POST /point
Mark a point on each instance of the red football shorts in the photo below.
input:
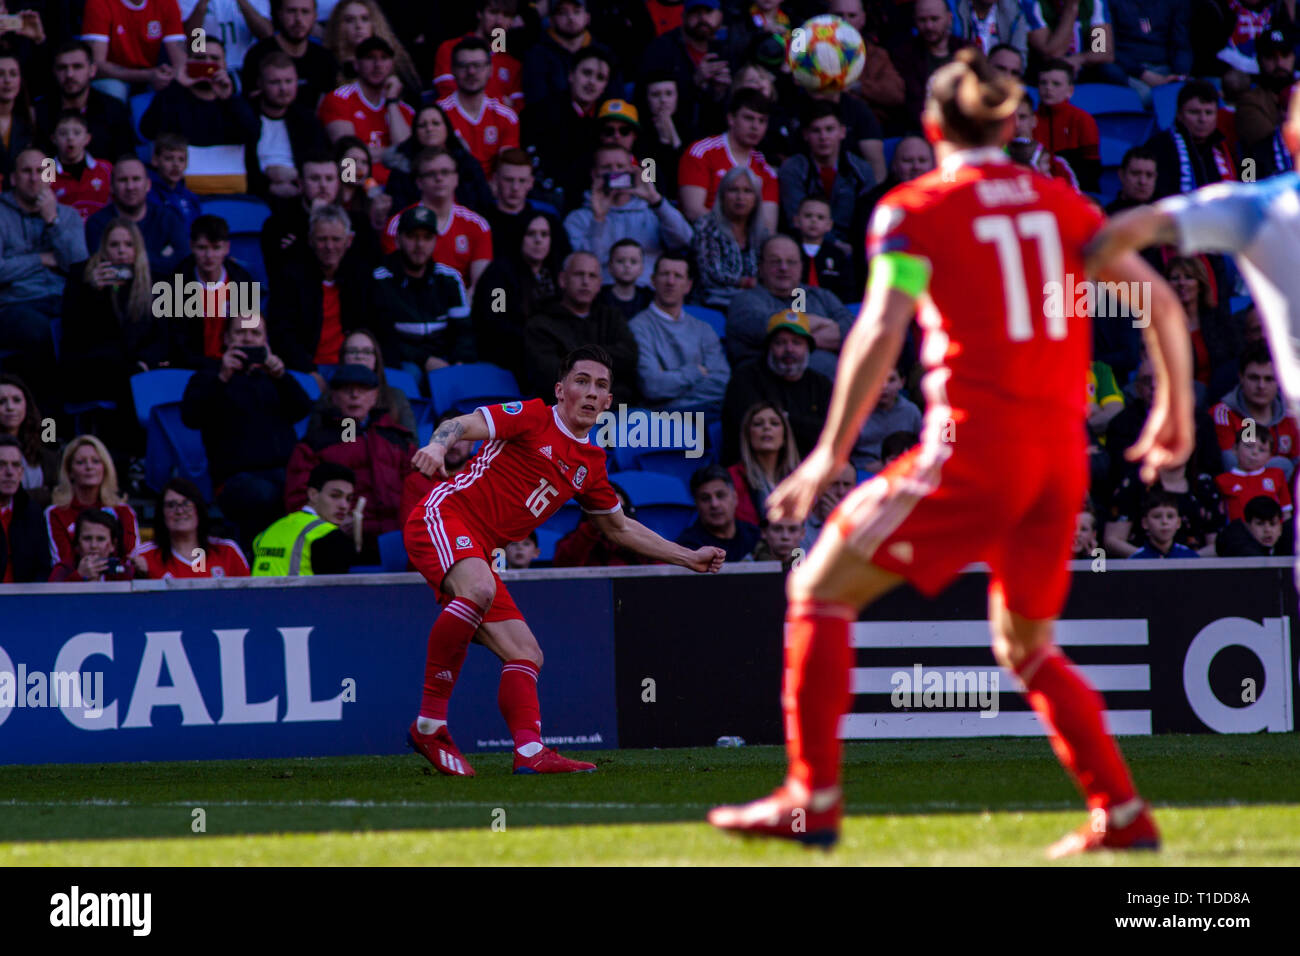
(436, 538)
(936, 509)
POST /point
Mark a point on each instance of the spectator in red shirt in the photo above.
(370, 109)
(767, 455)
(1253, 475)
(1064, 129)
(351, 24)
(1256, 399)
(484, 124)
(126, 41)
(80, 181)
(87, 482)
(705, 163)
(183, 544)
(99, 551)
(586, 547)
(504, 82)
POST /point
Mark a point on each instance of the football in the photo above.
(826, 53)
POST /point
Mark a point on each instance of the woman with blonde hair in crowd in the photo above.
(767, 455)
(87, 480)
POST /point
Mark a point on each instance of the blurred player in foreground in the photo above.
(1002, 463)
(1258, 224)
(536, 458)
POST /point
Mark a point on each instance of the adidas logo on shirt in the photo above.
(546, 451)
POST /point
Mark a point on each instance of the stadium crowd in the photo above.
(500, 182)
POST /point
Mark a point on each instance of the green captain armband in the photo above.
(898, 270)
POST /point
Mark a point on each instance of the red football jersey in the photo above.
(709, 159)
(495, 128)
(1004, 350)
(464, 239)
(223, 559)
(61, 521)
(1237, 488)
(529, 466)
(89, 194)
(1228, 424)
(370, 120)
(134, 33)
(505, 83)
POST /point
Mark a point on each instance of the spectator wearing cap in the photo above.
(371, 108)
(708, 160)
(782, 376)
(561, 130)
(216, 122)
(421, 302)
(1194, 153)
(462, 238)
(680, 362)
(716, 524)
(699, 59)
(622, 203)
(317, 538)
(579, 319)
(24, 547)
(780, 265)
(484, 124)
(1262, 108)
(828, 169)
(245, 410)
(287, 129)
(316, 67)
(512, 210)
(505, 82)
(1152, 41)
(933, 45)
(107, 118)
(894, 412)
(550, 64)
(39, 241)
(321, 298)
(357, 431)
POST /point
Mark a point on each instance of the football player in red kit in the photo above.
(535, 458)
(975, 248)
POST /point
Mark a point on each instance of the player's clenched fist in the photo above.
(707, 560)
(428, 461)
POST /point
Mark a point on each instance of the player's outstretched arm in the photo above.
(1169, 435)
(1128, 232)
(428, 461)
(869, 352)
(633, 535)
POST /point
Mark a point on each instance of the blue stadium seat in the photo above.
(1122, 130)
(715, 440)
(1109, 185)
(247, 251)
(1164, 100)
(1032, 93)
(662, 502)
(891, 144)
(174, 449)
(392, 551)
(671, 461)
(717, 320)
(564, 520)
(400, 378)
(462, 388)
(1101, 98)
(546, 542)
(243, 213)
(1113, 150)
(156, 387)
(1239, 302)
(138, 104)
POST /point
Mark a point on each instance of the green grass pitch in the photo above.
(1221, 801)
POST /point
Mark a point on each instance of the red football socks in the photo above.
(448, 644)
(1073, 713)
(815, 694)
(517, 698)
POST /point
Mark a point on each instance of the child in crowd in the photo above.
(779, 541)
(1085, 534)
(626, 260)
(826, 263)
(171, 154)
(1252, 476)
(520, 554)
(80, 180)
(1161, 521)
(1258, 534)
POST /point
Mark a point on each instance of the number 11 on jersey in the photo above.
(1006, 234)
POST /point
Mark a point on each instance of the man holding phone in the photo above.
(245, 409)
(624, 204)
